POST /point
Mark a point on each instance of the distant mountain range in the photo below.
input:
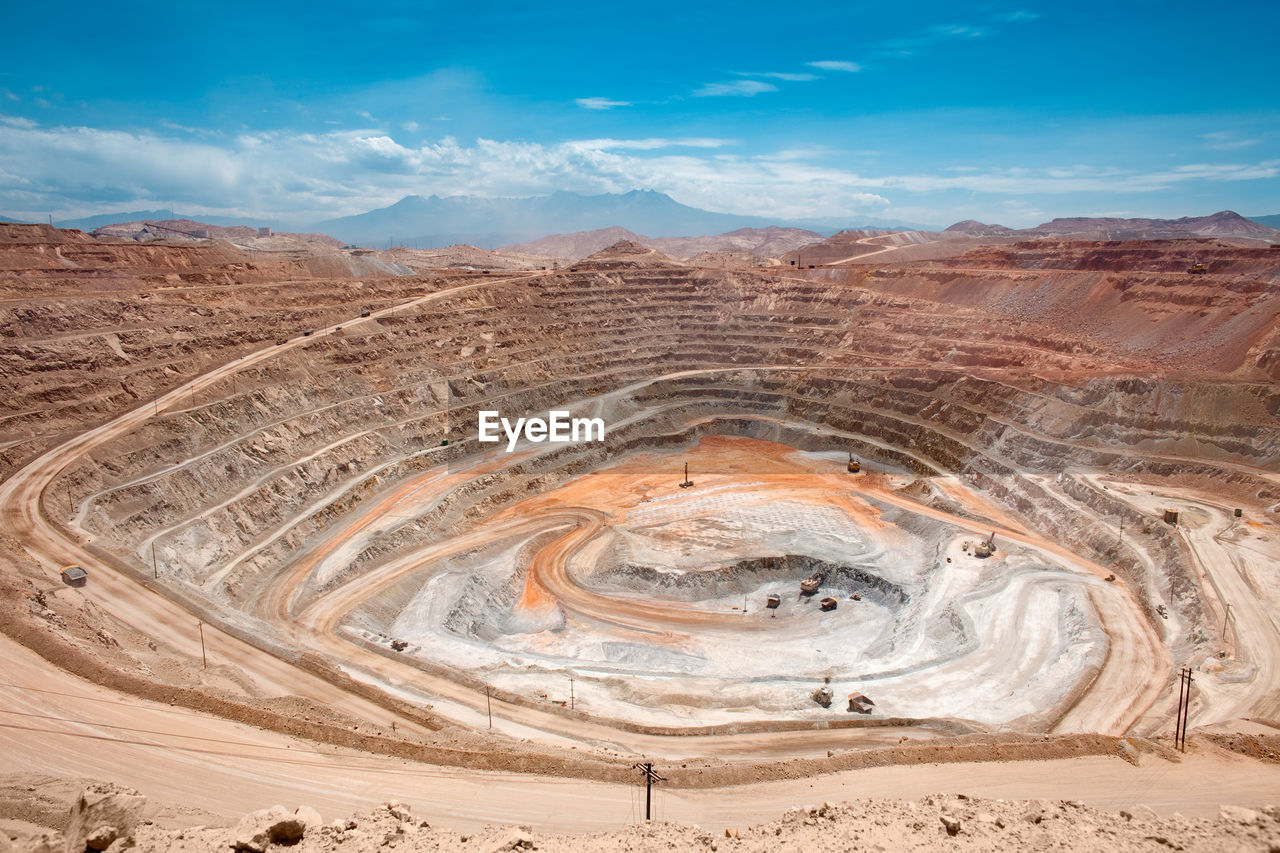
(1225, 223)
(145, 231)
(761, 242)
(419, 222)
(433, 221)
(91, 223)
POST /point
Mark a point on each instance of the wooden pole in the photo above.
(204, 661)
(155, 568)
(649, 778)
(1177, 723)
(1186, 710)
(648, 786)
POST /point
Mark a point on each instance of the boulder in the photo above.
(102, 815)
(276, 825)
(46, 842)
(520, 838)
(1238, 814)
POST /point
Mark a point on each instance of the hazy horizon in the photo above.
(1013, 113)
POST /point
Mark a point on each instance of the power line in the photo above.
(342, 764)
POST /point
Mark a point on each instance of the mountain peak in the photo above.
(977, 229)
(626, 253)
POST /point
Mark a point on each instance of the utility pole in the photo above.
(1226, 618)
(649, 778)
(570, 694)
(1177, 719)
(71, 506)
(1184, 709)
(155, 568)
(488, 705)
(204, 661)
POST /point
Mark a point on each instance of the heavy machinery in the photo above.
(854, 465)
(828, 603)
(985, 548)
(810, 585)
(773, 601)
(74, 575)
(1198, 269)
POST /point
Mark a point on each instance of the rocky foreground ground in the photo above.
(108, 817)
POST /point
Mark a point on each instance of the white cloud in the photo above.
(600, 103)
(788, 76)
(1225, 140)
(739, 88)
(649, 144)
(835, 65)
(173, 125)
(304, 177)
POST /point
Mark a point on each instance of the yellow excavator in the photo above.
(1198, 268)
(854, 465)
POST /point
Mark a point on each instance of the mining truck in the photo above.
(1198, 269)
(854, 465)
(810, 585)
(74, 575)
(860, 703)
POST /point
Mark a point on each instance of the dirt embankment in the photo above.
(1135, 298)
(99, 814)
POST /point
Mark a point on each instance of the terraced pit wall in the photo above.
(239, 484)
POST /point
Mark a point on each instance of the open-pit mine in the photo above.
(993, 501)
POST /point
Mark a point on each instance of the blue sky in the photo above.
(928, 112)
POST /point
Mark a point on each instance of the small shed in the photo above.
(74, 576)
